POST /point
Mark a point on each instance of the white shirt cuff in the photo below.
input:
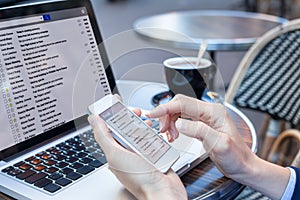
(289, 190)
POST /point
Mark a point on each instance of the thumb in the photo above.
(102, 134)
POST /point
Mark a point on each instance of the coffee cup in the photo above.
(184, 76)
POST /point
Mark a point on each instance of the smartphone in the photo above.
(133, 133)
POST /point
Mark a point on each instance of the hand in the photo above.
(137, 175)
(210, 123)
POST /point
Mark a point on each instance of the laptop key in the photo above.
(76, 165)
(52, 187)
(7, 169)
(82, 155)
(25, 166)
(91, 149)
(66, 170)
(51, 170)
(54, 151)
(102, 159)
(79, 147)
(63, 146)
(85, 169)
(97, 155)
(73, 176)
(50, 162)
(46, 156)
(71, 159)
(55, 176)
(61, 164)
(60, 157)
(25, 174)
(63, 181)
(43, 182)
(39, 167)
(30, 158)
(19, 164)
(69, 153)
(35, 161)
(14, 172)
(86, 160)
(34, 178)
(95, 163)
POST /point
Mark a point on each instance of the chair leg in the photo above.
(296, 162)
(269, 140)
(262, 135)
(274, 127)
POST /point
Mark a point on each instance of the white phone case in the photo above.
(133, 133)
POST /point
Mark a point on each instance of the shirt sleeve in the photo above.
(289, 190)
(296, 193)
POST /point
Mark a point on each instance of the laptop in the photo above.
(52, 66)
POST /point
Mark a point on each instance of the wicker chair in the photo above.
(286, 149)
(268, 80)
(285, 152)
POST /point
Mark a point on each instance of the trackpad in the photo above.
(190, 149)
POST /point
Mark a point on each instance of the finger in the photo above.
(173, 106)
(164, 123)
(137, 111)
(173, 131)
(189, 107)
(180, 104)
(119, 158)
(149, 122)
(198, 130)
(168, 126)
(102, 134)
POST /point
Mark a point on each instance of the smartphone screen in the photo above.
(135, 131)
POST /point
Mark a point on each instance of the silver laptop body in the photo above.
(52, 66)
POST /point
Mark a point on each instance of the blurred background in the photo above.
(118, 16)
(137, 59)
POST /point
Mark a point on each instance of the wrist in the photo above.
(260, 174)
(165, 188)
(245, 169)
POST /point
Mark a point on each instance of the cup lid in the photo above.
(186, 63)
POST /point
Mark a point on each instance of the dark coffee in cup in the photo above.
(184, 77)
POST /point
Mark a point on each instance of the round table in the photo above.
(204, 181)
(223, 30)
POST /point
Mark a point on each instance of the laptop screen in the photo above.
(52, 66)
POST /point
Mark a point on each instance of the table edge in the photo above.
(221, 44)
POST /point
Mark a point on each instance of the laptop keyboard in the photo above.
(61, 165)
